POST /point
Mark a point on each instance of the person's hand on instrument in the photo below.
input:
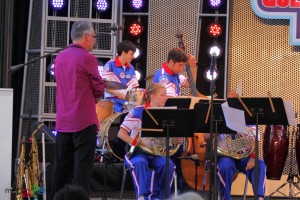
(192, 60)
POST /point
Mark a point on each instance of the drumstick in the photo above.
(153, 119)
(245, 107)
(271, 102)
(208, 112)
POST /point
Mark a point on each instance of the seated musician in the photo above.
(147, 183)
(228, 165)
(120, 70)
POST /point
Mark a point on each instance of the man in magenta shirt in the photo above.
(78, 86)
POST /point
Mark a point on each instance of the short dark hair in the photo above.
(125, 46)
(73, 192)
(177, 55)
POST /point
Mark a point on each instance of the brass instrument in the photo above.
(20, 174)
(238, 146)
(157, 146)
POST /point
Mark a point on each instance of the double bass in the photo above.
(196, 144)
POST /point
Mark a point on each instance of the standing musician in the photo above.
(170, 75)
(120, 70)
(147, 183)
(78, 85)
(228, 166)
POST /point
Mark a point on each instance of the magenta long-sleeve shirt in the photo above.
(78, 84)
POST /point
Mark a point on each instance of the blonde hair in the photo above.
(152, 89)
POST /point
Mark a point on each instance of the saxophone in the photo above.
(20, 174)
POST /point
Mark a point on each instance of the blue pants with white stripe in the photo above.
(228, 167)
(148, 174)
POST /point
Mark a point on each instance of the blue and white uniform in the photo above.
(228, 166)
(147, 171)
(114, 71)
(171, 81)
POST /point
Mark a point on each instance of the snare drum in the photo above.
(108, 131)
(104, 109)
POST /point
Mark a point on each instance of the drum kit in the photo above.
(111, 148)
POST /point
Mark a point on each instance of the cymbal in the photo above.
(112, 85)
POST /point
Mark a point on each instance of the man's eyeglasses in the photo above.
(94, 36)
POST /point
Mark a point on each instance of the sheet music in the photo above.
(288, 106)
(235, 118)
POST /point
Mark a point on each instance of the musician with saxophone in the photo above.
(235, 153)
(148, 183)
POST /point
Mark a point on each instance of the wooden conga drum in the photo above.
(275, 150)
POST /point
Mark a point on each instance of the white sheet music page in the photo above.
(288, 106)
(235, 118)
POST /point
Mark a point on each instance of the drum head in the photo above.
(109, 131)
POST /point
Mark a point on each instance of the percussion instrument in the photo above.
(104, 109)
(108, 133)
(275, 150)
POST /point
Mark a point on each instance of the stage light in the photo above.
(137, 4)
(135, 29)
(50, 69)
(57, 4)
(100, 68)
(214, 29)
(215, 4)
(137, 53)
(209, 77)
(215, 50)
(138, 75)
(102, 5)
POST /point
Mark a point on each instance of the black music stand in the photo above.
(179, 102)
(203, 125)
(171, 123)
(261, 110)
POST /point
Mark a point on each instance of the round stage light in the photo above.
(138, 75)
(50, 69)
(215, 4)
(209, 77)
(214, 30)
(57, 4)
(137, 4)
(215, 50)
(102, 5)
(135, 29)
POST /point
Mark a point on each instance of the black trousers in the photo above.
(74, 159)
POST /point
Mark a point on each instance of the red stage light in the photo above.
(135, 29)
(214, 30)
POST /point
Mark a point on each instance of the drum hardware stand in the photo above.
(293, 178)
(107, 161)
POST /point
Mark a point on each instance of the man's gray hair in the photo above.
(80, 28)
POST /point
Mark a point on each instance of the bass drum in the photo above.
(275, 150)
(108, 136)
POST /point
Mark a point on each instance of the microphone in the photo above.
(116, 27)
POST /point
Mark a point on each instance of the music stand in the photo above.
(202, 109)
(262, 114)
(179, 102)
(170, 123)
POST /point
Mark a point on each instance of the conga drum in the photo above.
(275, 150)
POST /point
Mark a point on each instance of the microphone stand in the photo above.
(213, 156)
